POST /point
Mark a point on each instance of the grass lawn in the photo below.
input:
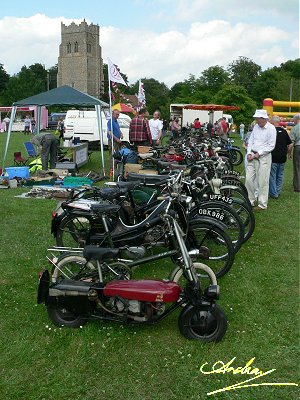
(107, 361)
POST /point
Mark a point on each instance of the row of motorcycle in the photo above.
(197, 215)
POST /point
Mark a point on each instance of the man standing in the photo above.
(295, 137)
(156, 127)
(48, 143)
(279, 155)
(114, 131)
(139, 130)
(261, 143)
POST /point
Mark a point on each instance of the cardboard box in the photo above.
(148, 172)
(143, 149)
(132, 168)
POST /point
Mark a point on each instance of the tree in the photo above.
(244, 72)
(28, 82)
(213, 78)
(4, 78)
(235, 95)
(52, 77)
(157, 95)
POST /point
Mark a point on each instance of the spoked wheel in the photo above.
(206, 324)
(65, 317)
(236, 156)
(73, 231)
(77, 268)
(214, 246)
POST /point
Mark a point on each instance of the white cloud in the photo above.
(168, 57)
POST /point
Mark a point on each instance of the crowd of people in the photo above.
(267, 145)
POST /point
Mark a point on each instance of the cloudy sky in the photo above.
(162, 39)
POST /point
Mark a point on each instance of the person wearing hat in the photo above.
(261, 142)
(295, 137)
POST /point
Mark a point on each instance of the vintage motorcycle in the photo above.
(71, 302)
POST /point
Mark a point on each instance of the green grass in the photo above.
(109, 361)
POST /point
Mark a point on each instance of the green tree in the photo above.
(244, 72)
(28, 82)
(52, 77)
(4, 78)
(235, 95)
(157, 95)
(213, 78)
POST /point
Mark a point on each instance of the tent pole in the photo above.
(112, 130)
(11, 121)
(100, 130)
(38, 119)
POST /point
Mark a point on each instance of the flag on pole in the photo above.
(113, 73)
(141, 94)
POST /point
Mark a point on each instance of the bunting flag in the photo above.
(141, 94)
(114, 74)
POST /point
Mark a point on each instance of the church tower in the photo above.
(80, 63)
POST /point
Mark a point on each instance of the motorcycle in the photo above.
(72, 302)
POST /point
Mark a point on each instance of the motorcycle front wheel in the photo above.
(206, 324)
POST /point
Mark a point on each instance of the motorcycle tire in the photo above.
(208, 324)
(64, 317)
(236, 156)
(235, 192)
(233, 222)
(215, 246)
(247, 216)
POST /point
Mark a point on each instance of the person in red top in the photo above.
(197, 124)
(139, 130)
(224, 128)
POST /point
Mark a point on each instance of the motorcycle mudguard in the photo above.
(72, 295)
(208, 220)
(43, 287)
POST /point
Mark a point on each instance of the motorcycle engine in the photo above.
(155, 234)
(135, 307)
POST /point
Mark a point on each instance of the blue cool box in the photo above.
(19, 172)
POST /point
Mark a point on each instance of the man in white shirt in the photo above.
(156, 126)
(261, 143)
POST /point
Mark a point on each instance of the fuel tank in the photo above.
(144, 290)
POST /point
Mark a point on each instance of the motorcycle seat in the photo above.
(110, 193)
(105, 208)
(128, 185)
(171, 165)
(99, 253)
(153, 180)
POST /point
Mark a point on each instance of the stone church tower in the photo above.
(80, 64)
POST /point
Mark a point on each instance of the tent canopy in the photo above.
(63, 95)
(210, 107)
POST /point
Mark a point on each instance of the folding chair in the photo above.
(30, 149)
(19, 160)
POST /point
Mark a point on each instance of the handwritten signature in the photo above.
(220, 367)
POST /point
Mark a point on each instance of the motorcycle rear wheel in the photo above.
(208, 325)
(64, 317)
